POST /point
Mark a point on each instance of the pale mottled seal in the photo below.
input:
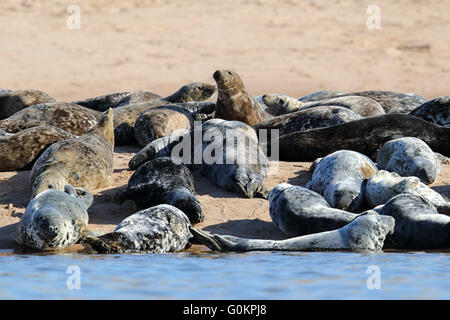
(85, 162)
(158, 229)
(233, 101)
(417, 223)
(365, 135)
(321, 95)
(67, 116)
(163, 181)
(54, 219)
(363, 106)
(409, 156)
(160, 122)
(19, 150)
(278, 104)
(339, 178)
(436, 111)
(366, 233)
(298, 211)
(313, 118)
(13, 101)
(384, 185)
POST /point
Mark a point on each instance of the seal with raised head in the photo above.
(69, 117)
(19, 150)
(409, 156)
(85, 162)
(13, 101)
(363, 106)
(55, 219)
(339, 178)
(158, 229)
(384, 185)
(233, 101)
(417, 223)
(298, 211)
(163, 181)
(366, 233)
(436, 111)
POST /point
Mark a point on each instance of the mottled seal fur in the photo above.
(409, 156)
(160, 122)
(278, 104)
(417, 223)
(20, 150)
(436, 111)
(322, 95)
(233, 101)
(339, 178)
(298, 211)
(384, 185)
(366, 233)
(365, 135)
(158, 229)
(85, 162)
(163, 181)
(14, 101)
(303, 120)
(54, 219)
(67, 116)
(363, 106)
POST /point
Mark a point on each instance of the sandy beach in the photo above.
(290, 47)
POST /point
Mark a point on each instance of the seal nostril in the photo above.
(50, 186)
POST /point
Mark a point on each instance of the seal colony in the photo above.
(351, 203)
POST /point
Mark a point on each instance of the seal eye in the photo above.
(229, 73)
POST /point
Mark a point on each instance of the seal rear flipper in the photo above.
(102, 245)
(200, 237)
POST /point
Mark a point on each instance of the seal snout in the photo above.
(48, 230)
(217, 75)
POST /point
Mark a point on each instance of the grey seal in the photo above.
(322, 95)
(159, 229)
(363, 106)
(384, 185)
(160, 181)
(339, 178)
(278, 104)
(298, 211)
(409, 156)
(366, 233)
(417, 223)
(14, 101)
(55, 219)
(436, 111)
(85, 162)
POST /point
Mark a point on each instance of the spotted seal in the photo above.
(233, 101)
(14, 101)
(436, 111)
(159, 229)
(339, 178)
(18, 151)
(163, 181)
(55, 219)
(298, 211)
(85, 162)
(66, 116)
(311, 144)
(409, 156)
(384, 185)
(366, 233)
(417, 223)
(160, 122)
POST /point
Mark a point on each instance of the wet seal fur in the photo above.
(14, 101)
(19, 150)
(298, 211)
(233, 101)
(366, 233)
(417, 223)
(384, 185)
(163, 181)
(436, 111)
(409, 156)
(311, 144)
(66, 116)
(85, 162)
(339, 178)
(158, 229)
(55, 219)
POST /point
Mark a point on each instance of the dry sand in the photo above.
(290, 47)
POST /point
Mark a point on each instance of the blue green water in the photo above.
(256, 275)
